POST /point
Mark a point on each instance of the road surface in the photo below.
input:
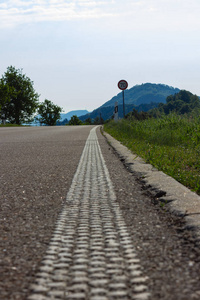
(75, 224)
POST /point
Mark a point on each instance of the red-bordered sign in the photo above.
(122, 85)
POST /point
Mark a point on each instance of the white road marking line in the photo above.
(91, 254)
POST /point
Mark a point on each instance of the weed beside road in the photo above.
(10, 125)
(171, 144)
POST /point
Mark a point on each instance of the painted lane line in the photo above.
(91, 254)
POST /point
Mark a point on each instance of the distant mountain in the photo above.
(107, 112)
(68, 115)
(141, 97)
(144, 93)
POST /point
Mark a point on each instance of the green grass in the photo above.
(9, 125)
(13, 125)
(171, 144)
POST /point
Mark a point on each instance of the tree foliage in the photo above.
(5, 96)
(181, 103)
(140, 116)
(18, 99)
(75, 121)
(49, 113)
(88, 121)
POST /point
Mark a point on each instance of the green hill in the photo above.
(144, 94)
(141, 97)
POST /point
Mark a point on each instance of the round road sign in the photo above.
(122, 84)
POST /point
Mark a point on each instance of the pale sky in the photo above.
(76, 51)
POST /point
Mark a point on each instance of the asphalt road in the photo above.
(37, 168)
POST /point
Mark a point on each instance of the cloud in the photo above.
(179, 13)
(13, 12)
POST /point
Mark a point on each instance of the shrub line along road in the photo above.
(75, 224)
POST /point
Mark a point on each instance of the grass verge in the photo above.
(171, 144)
(12, 125)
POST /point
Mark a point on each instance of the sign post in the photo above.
(122, 85)
(116, 112)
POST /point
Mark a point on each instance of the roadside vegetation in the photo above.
(76, 121)
(170, 142)
(48, 112)
(19, 102)
(10, 125)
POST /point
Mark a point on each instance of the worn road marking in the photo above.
(91, 254)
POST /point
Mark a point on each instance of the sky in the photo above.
(76, 51)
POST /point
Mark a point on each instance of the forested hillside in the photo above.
(181, 103)
(107, 112)
(144, 93)
(140, 97)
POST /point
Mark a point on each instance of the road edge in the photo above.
(165, 190)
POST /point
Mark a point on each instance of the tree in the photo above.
(140, 116)
(96, 121)
(88, 121)
(183, 102)
(75, 120)
(49, 113)
(18, 99)
(5, 96)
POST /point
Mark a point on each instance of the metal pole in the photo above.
(123, 104)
